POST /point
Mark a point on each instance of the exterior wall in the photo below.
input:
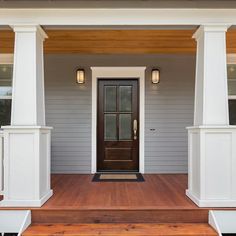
(168, 110)
(68, 111)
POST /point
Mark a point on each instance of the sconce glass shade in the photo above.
(155, 76)
(80, 76)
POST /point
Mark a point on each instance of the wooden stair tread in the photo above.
(198, 229)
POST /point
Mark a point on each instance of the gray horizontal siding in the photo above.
(68, 111)
(168, 110)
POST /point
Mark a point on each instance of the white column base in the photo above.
(212, 166)
(211, 202)
(27, 165)
(27, 203)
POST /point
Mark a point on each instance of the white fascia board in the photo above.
(117, 17)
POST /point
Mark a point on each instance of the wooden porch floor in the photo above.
(157, 206)
(78, 200)
(159, 191)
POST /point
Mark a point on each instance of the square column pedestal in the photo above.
(212, 166)
(27, 166)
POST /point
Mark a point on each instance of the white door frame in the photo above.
(118, 72)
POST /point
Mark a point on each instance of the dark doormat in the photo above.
(118, 177)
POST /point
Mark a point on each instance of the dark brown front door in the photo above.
(118, 125)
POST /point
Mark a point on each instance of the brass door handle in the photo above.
(135, 128)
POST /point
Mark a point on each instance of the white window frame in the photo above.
(231, 60)
(6, 59)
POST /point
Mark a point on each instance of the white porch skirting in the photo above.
(212, 166)
(27, 166)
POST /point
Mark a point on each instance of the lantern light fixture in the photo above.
(80, 76)
(155, 76)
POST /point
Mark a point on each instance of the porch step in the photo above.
(58, 216)
(121, 229)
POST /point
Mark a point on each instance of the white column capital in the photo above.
(29, 28)
(210, 28)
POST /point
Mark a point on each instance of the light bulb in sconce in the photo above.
(80, 76)
(155, 76)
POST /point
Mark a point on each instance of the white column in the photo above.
(27, 141)
(28, 77)
(211, 99)
(212, 141)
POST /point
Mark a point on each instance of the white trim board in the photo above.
(123, 17)
(118, 72)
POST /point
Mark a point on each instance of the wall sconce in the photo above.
(155, 76)
(80, 76)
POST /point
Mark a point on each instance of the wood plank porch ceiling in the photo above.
(117, 41)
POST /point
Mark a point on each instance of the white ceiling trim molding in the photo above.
(116, 17)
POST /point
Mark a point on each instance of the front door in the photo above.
(117, 125)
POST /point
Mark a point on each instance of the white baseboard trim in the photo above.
(26, 203)
(211, 202)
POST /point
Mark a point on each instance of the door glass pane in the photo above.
(125, 98)
(232, 112)
(6, 80)
(110, 127)
(231, 69)
(125, 127)
(110, 98)
(5, 112)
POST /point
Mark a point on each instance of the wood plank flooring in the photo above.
(160, 199)
(157, 206)
(162, 191)
(121, 229)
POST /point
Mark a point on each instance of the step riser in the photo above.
(119, 216)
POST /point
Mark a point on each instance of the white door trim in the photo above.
(118, 72)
